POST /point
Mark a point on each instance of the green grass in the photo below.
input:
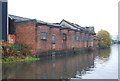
(13, 59)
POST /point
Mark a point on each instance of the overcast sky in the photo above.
(102, 14)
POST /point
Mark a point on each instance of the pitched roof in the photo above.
(75, 26)
(48, 24)
(20, 19)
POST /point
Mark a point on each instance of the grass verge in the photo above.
(13, 59)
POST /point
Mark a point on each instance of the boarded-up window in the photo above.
(44, 35)
(53, 39)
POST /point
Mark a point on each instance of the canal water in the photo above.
(99, 64)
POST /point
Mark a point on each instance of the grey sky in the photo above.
(102, 14)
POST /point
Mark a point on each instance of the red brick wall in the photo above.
(64, 42)
(77, 43)
(58, 34)
(69, 39)
(46, 45)
(89, 40)
(82, 42)
(43, 45)
(92, 41)
(26, 34)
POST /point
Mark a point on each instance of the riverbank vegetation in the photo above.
(16, 53)
(105, 39)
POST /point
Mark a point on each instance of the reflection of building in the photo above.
(43, 36)
(60, 68)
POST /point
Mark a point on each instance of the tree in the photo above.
(105, 39)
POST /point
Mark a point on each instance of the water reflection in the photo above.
(103, 56)
(73, 66)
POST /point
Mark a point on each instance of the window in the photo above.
(64, 37)
(77, 38)
(91, 38)
(53, 39)
(86, 37)
(82, 37)
(44, 35)
(73, 39)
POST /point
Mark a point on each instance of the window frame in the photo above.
(43, 36)
(83, 37)
(53, 39)
(73, 39)
(77, 38)
(64, 36)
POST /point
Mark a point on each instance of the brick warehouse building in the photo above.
(44, 36)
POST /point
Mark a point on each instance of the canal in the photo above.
(99, 64)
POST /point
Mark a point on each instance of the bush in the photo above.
(15, 49)
(16, 53)
(20, 48)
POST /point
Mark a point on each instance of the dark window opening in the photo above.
(64, 37)
(44, 35)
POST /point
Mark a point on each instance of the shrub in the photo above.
(15, 49)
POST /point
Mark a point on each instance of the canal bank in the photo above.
(67, 52)
(18, 52)
(99, 64)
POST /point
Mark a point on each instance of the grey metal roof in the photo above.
(76, 26)
(91, 29)
(96, 38)
(20, 19)
(48, 24)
